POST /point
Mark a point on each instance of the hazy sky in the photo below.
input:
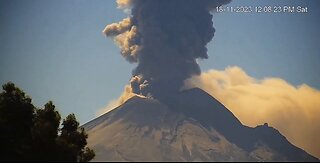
(55, 50)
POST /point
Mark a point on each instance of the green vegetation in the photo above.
(31, 134)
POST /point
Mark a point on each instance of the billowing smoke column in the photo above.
(165, 37)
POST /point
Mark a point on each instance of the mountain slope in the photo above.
(192, 127)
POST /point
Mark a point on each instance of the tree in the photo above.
(73, 141)
(87, 155)
(31, 134)
(45, 132)
(16, 120)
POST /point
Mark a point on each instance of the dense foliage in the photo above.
(32, 134)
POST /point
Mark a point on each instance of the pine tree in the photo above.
(16, 120)
(73, 141)
(45, 132)
(31, 134)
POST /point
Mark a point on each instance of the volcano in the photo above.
(193, 126)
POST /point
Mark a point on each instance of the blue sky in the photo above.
(55, 50)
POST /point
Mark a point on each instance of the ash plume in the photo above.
(165, 37)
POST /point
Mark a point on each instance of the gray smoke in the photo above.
(165, 37)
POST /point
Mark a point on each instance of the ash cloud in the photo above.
(165, 38)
